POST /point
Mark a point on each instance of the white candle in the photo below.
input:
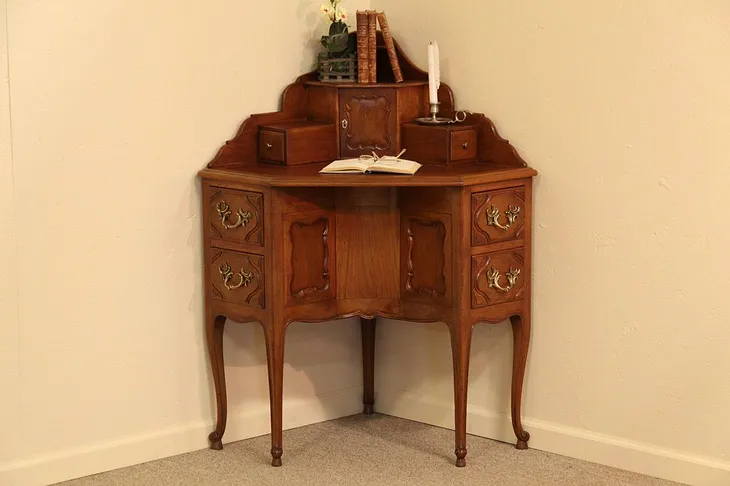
(434, 75)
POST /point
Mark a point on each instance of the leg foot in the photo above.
(522, 444)
(215, 442)
(521, 335)
(367, 326)
(276, 453)
(460, 457)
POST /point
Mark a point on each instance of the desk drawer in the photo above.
(236, 216)
(497, 215)
(237, 277)
(497, 277)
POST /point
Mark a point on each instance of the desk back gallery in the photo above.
(284, 243)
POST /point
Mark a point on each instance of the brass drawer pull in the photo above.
(465, 146)
(493, 278)
(228, 274)
(493, 217)
(225, 212)
(268, 145)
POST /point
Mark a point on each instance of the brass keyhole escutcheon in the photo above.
(344, 124)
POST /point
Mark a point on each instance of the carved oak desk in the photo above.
(283, 243)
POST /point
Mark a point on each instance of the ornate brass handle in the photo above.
(228, 274)
(493, 217)
(344, 123)
(225, 212)
(493, 279)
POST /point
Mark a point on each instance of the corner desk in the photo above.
(283, 243)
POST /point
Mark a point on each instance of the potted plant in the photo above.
(338, 62)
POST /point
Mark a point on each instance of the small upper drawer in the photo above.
(464, 145)
(236, 216)
(271, 146)
(237, 277)
(497, 215)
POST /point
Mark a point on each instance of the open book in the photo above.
(366, 164)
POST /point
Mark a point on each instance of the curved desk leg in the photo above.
(367, 327)
(460, 349)
(214, 334)
(274, 335)
(521, 334)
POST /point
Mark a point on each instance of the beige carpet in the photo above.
(378, 450)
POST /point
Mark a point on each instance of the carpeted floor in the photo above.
(375, 449)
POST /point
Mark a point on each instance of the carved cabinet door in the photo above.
(368, 122)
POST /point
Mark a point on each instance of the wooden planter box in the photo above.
(337, 70)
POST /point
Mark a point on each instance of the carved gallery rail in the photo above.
(283, 243)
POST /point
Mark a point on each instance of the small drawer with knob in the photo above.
(440, 144)
(498, 215)
(297, 142)
(497, 277)
(236, 216)
(237, 277)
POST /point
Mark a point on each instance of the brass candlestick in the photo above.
(434, 119)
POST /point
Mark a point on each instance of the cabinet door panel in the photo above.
(368, 122)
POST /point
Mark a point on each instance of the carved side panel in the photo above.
(497, 277)
(497, 215)
(426, 258)
(309, 257)
(368, 122)
(236, 216)
(237, 277)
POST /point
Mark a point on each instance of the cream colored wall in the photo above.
(115, 107)
(624, 109)
(9, 371)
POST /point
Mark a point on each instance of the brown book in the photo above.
(372, 45)
(390, 47)
(363, 56)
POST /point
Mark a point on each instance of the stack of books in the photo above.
(367, 26)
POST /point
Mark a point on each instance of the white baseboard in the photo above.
(100, 457)
(559, 439)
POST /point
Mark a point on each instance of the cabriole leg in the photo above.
(460, 349)
(521, 334)
(367, 327)
(214, 334)
(275, 359)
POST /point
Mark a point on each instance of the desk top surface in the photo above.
(465, 174)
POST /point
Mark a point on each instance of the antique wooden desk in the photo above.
(283, 243)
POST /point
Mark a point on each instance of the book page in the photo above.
(394, 166)
(347, 166)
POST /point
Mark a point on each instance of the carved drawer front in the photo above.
(497, 277)
(497, 215)
(367, 122)
(236, 216)
(426, 257)
(309, 263)
(237, 277)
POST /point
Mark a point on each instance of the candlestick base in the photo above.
(433, 119)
